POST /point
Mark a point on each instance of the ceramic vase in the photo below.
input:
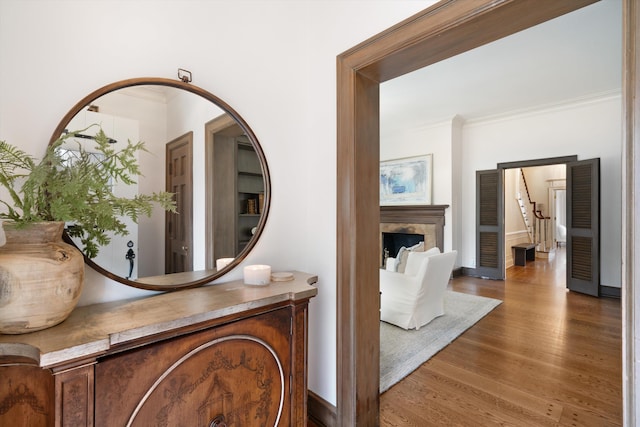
(41, 277)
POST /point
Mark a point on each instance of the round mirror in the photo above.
(199, 149)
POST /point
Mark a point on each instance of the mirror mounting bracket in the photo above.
(184, 75)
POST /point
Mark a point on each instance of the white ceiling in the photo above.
(573, 57)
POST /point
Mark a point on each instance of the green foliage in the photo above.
(76, 190)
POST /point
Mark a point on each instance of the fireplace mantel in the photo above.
(418, 219)
(415, 214)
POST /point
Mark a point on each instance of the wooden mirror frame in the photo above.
(446, 29)
(87, 100)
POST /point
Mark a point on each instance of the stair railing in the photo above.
(541, 223)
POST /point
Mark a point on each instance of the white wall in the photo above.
(588, 130)
(272, 61)
(151, 115)
(437, 140)
(513, 221)
(539, 179)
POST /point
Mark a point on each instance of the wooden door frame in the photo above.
(213, 126)
(446, 29)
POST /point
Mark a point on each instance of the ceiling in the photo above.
(574, 57)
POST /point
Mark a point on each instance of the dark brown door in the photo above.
(179, 226)
(489, 223)
(583, 226)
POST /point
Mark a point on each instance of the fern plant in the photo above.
(78, 191)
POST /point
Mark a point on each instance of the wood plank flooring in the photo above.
(544, 357)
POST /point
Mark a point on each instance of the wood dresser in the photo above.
(227, 354)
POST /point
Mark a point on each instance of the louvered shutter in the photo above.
(489, 214)
(583, 226)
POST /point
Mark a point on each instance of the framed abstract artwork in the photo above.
(406, 181)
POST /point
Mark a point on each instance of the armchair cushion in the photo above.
(403, 255)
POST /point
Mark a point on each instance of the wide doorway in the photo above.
(534, 212)
(501, 191)
(437, 33)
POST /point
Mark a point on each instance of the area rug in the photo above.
(402, 352)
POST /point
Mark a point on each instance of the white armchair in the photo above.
(416, 297)
(561, 234)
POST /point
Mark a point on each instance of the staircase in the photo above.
(525, 215)
(537, 224)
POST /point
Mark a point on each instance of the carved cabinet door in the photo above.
(237, 375)
(26, 396)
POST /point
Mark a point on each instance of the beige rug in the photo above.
(402, 352)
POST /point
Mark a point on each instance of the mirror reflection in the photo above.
(202, 153)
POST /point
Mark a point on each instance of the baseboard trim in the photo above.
(472, 272)
(320, 411)
(610, 292)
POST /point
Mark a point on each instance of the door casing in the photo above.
(439, 32)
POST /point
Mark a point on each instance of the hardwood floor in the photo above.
(544, 357)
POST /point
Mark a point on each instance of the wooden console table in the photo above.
(226, 353)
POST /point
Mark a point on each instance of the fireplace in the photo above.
(406, 224)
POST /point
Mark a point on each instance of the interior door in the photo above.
(489, 224)
(179, 226)
(583, 226)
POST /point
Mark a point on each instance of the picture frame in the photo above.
(406, 181)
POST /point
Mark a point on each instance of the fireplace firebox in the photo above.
(392, 242)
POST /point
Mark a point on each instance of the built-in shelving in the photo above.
(238, 191)
(250, 191)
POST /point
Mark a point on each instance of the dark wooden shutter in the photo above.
(583, 226)
(489, 212)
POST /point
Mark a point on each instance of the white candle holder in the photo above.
(257, 275)
(223, 262)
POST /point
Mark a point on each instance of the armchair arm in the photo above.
(390, 264)
(398, 298)
(392, 282)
